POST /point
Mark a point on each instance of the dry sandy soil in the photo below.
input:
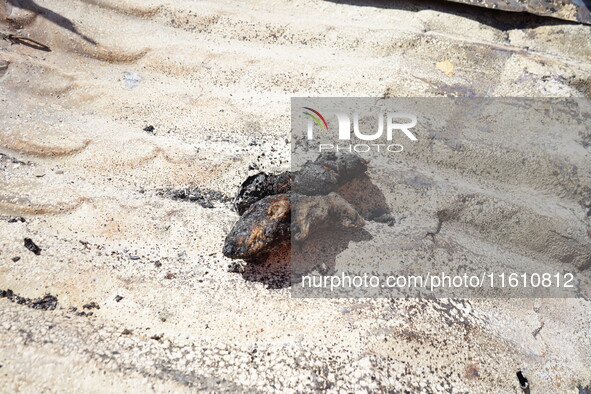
(214, 79)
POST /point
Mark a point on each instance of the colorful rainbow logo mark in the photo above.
(315, 116)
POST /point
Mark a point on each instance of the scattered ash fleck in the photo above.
(91, 305)
(118, 298)
(74, 310)
(16, 219)
(46, 303)
(203, 197)
(84, 314)
(149, 129)
(9, 159)
(170, 275)
(32, 246)
(126, 332)
(157, 337)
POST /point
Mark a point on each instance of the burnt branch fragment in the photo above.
(272, 206)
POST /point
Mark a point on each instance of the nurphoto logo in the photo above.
(397, 125)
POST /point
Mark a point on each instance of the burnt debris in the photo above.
(347, 166)
(265, 226)
(256, 187)
(381, 215)
(75, 311)
(272, 206)
(91, 305)
(523, 382)
(204, 197)
(32, 246)
(327, 173)
(320, 177)
(46, 303)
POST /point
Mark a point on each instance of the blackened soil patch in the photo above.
(203, 197)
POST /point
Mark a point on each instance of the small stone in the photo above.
(39, 172)
(15, 259)
(131, 80)
(118, 298)
(446, 67)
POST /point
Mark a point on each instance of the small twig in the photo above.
(14, 39)
(537, 330)
(523, 382)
